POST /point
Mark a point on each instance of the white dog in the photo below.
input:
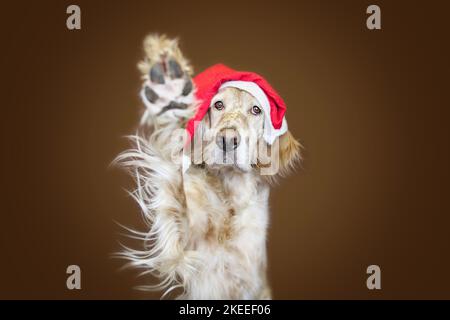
(207, 218)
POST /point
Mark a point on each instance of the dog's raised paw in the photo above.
(167, 82)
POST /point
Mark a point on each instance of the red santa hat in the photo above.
(219, 76)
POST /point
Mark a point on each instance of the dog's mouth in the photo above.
(231, 159)
(172, 106)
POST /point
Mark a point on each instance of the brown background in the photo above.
(370, 107)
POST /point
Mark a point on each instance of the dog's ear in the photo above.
(278, 159)
(289, 153)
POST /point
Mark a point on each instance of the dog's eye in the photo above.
(256, 110)
(219, 105)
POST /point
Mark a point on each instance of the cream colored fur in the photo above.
(207, 226)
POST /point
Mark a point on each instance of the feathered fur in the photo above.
(206, 226)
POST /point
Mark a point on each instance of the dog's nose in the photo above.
(228, 139)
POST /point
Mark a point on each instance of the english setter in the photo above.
(205, 203)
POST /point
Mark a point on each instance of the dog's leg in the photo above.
(265, 293)
(167, 89)
(162, 200)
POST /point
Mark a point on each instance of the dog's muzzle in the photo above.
(228, 139)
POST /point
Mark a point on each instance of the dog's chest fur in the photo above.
(227, 214)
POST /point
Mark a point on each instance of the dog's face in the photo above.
(233, 126)
(233, 134)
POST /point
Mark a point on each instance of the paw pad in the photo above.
(150, 94)
(168, 87)
(157, 73)
(174, 69)
(187, 87)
